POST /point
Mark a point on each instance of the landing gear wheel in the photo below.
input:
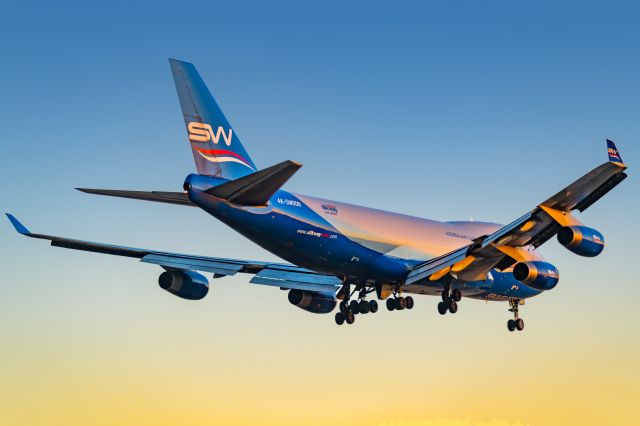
(344, 307)
(456, 295)
(409, 302)
(516, 323)
(373, 306)
(363, 307)
(391, 304)
(453, 307)
(401, 303)
(350, 318)
(339, 318)
(442, 308)
(354, 307)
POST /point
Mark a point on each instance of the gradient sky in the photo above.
(440, 109)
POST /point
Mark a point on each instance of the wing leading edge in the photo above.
(285, 276)
(502, 248)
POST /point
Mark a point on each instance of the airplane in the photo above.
(339, 253)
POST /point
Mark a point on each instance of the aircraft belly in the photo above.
(498, 286)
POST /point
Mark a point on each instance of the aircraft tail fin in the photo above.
(614, 154)
(216, 147)
(257, 188)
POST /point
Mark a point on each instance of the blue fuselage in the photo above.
(362, 244)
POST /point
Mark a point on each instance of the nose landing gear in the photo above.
(516, 323)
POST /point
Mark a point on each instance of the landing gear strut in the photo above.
(516, 323)
(450, 299)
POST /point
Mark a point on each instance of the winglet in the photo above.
(614, 154)
(16, 224)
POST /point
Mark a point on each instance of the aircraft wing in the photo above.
(285, 276)
(508, 245)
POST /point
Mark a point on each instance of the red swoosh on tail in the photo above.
(217, 152)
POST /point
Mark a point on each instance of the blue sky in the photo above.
(438, 109)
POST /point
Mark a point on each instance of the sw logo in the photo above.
(613, 153)
(201, 132)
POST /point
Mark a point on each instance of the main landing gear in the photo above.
(516, 323)
(349, 308)
(450, 299)
(399, 303)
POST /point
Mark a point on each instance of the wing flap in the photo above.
(297, 280)
(92, 247)
(581, 189)
(429, 267)
(599, 192)
(182, 262)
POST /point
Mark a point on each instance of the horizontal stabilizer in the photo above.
(180, 198)
(256, 189)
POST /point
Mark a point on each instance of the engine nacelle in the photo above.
(581, 240)
(536, 274)
(312, 302)
(185, 284)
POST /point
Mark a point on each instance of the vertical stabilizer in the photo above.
(216, 147)
(614, 154)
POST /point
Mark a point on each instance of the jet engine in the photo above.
(311, 301)
(536, 274)
(581, 240)
(185, 284)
